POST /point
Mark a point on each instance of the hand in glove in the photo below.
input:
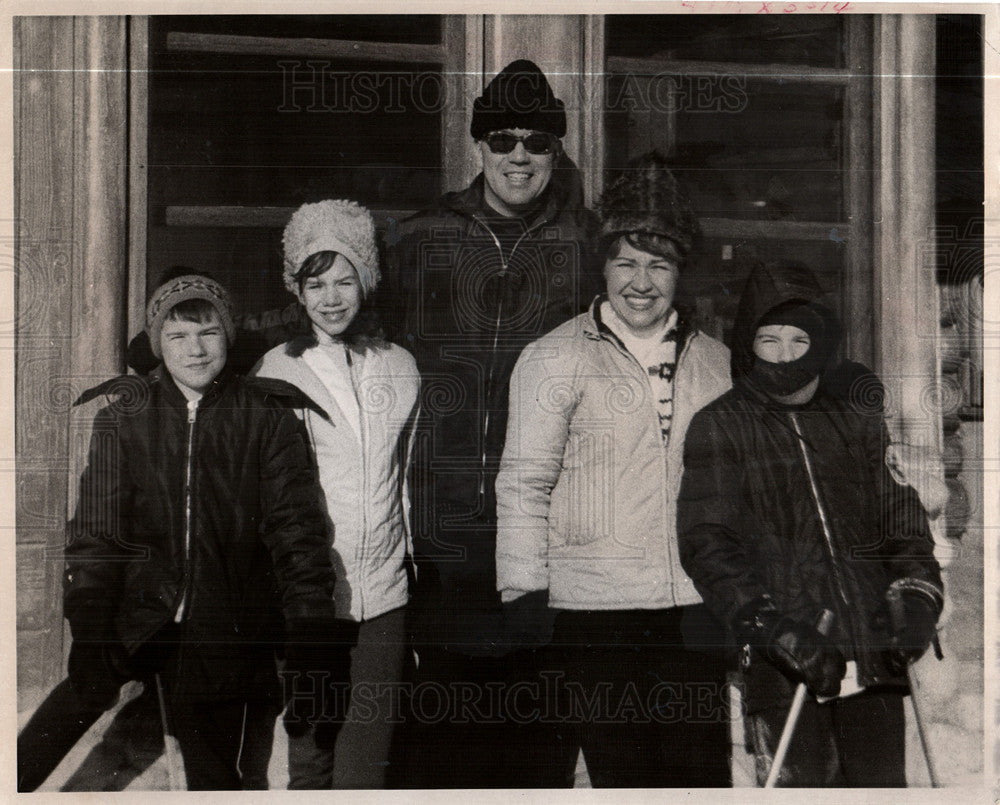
(914, 612)
(98, 663)
(797, 649)
(317, 674)
(528, 621)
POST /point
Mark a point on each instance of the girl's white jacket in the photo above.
(363, 479)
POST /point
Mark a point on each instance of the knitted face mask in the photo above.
(783, 379)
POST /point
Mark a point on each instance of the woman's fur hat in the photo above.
(336, 225)
(647, 198)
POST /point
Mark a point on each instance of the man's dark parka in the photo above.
(471, 290)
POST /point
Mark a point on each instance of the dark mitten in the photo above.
(98, 663)
(797, 649)
(317, 673)
(914, 612)
(98, 669)
(528, 621)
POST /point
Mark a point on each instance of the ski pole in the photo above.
(169, 742)
(823, 627)
(897, 614)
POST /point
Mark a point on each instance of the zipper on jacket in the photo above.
(192, 409)
(496, 340)
(824, 521)
(682, 350)
(365, 497)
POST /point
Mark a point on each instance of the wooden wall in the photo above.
(70, 148)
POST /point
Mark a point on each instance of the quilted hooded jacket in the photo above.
(760, 478)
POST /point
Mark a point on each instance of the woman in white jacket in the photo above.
(586, 508)
(369, 391)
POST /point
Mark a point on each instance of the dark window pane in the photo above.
(812, 39)
(745, 148)
(407, 28)
(272, 130)
(712, 285)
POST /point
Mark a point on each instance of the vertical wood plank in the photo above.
(905, 250)
(44, 255)
(100, 225)
(592, 156)
(138, 151)
(856, 283)
(70, 189)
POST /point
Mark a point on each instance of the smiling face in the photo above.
(333, 298)
(514, 181)
(780, 343)
(641, 287)
(194, 352)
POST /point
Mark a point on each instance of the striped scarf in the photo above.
(658, 355)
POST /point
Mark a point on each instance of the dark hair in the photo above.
(198, 311)
(314, 265)
(644, 241)
(366, 323)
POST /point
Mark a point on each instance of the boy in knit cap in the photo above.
(491, 268)
(197, 543)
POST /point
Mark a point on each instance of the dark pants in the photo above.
(210, 735)
(643, 694)
(858, 741)
(221, 741)
(478, 722)
(358, 754)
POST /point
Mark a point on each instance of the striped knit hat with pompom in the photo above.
(336, 225)
(646, 198)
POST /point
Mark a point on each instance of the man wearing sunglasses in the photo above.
(490, 269)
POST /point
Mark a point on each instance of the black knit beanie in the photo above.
(801, 315)
(519, 97)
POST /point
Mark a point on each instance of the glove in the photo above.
(317, 676)
(795, 648)
(98, 662)
(914, 612)
(528, 621)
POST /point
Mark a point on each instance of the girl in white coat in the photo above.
(369, 390)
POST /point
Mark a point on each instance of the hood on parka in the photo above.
(768, 286)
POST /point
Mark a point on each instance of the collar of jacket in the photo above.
(175, 397)
(137, 387)
(595, 329)
(471, 202)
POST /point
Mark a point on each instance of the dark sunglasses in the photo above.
(538, 142)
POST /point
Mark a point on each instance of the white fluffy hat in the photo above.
(335, 225)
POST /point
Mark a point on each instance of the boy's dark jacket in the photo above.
(747, 517)
(258, 547)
